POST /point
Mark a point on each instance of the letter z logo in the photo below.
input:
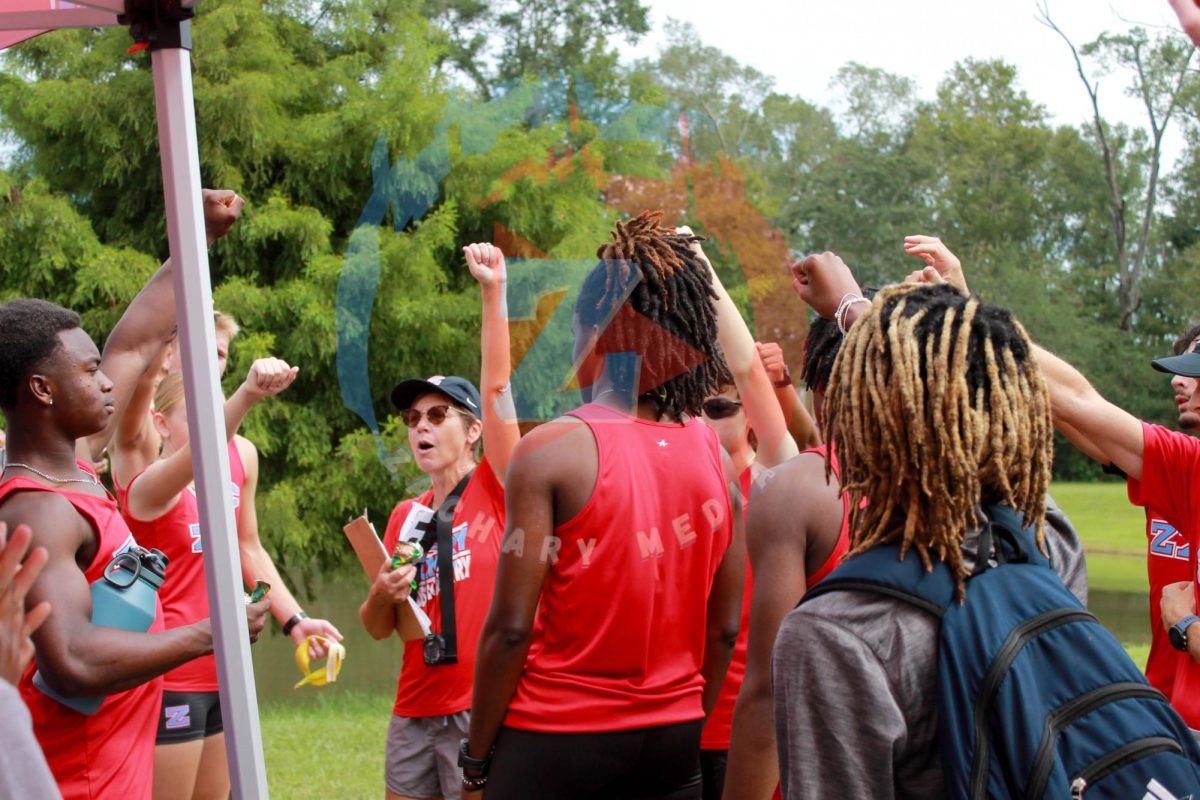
(1166, 541)
(178, 717)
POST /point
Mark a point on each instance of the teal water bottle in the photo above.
(125, 597)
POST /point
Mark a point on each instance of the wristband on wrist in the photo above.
(839, 316)
(786, 381)
(474, 784)
(293, 622)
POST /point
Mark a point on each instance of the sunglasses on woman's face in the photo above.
(720, 407)
(436, 414)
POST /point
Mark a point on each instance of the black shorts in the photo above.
(660, 763)
(188, 716)
(712, 769)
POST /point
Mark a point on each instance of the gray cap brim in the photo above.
(1187, 365)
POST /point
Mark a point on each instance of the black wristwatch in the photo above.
(1177, 633)
(480, 765)
(293, 621)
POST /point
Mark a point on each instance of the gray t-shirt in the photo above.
(855, 700)
(23, 770)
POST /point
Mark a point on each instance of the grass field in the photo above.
(331, 745)
(329, 749)
(1113, 532)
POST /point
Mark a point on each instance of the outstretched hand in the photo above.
(1188, 12)
(269, 376)
(222, 207)
(486, 263)
(822, 280)
(935, 254)
(16, 577)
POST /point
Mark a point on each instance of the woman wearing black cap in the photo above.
(446, 418)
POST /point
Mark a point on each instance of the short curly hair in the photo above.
(28, 336)
(1184, 342)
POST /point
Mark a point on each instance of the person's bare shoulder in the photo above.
(55, 523)
(552, 443)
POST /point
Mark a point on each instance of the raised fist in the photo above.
(269, 376)
(222, 207)
(486, 263)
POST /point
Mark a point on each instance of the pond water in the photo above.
(373, 667)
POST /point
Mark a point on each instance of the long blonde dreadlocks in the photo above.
(936, 406)
(652, 271)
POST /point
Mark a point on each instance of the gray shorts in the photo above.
(422, 755)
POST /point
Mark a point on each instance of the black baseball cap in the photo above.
(460, 390)
(1186, 364)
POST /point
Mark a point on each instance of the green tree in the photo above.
(306, 111)
(1160, 75)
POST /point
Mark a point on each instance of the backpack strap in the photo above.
(880, 571)
(1012, 540)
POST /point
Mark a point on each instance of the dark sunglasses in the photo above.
(437, 415)
(720, 408)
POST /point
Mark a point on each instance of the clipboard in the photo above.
(366, 544)
(372, 555)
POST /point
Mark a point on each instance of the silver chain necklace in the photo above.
(91, 480)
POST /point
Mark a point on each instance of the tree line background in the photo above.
(1084, 230)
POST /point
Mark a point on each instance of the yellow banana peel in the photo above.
(322, 675)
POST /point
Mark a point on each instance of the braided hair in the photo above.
(652, 295)
(936, 405)
(821, 347)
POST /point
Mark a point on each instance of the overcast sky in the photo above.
(802, 43)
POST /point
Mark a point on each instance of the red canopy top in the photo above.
(24, 19)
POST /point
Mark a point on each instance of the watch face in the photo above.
(1178, 639)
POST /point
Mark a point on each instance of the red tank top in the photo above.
(619, 638)
(842, 545)
(184, 595)
(111, 753)
(719, 728)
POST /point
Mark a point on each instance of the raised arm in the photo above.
(135, 443)
(1102, 430)
(149, 321)
(500, 430)
(775, 443)
(154, 492)
(1188, 12)
(800, 423)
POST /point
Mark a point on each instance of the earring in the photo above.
(51, 401)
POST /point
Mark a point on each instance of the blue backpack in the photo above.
(1036, 699)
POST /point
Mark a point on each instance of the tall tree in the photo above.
(1161, 77)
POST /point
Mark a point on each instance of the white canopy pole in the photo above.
(171, 61)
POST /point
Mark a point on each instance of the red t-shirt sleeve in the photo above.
(485, 480)
(1170, 467)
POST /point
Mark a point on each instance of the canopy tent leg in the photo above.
(171, 61)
